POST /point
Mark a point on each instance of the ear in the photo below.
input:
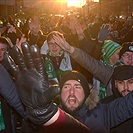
(115, 83)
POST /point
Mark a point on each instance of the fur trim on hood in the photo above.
(93, 98)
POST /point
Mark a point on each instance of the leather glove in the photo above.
(32, 83)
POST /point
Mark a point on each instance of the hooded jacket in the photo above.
(125, 72)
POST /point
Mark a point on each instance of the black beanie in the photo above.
(128, 46)
(123, 72)
(74, 75)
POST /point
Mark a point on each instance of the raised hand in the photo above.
(63, 43)
(20, 41)
(104, 32)
(32, 83)
(11, 29)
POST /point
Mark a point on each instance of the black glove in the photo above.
(32, 83)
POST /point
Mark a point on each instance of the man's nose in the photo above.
(125, 86)
(72, 90)
(130, 57)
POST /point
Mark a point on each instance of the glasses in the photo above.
(52, 44)
(127, 55)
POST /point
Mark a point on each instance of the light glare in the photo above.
(76, 3)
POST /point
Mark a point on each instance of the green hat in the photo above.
(109, 48)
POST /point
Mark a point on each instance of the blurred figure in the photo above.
(126, 53)
(35, 35)
(3, 47)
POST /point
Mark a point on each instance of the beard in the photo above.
(125, 91)
(70, 110)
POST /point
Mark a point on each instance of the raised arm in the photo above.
(95, 67)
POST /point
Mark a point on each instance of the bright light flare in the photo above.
(76, 3)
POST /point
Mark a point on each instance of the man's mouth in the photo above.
(125, 92)
(72, 100)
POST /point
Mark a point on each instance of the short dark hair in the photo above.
(4, 40)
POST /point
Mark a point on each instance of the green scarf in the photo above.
(102, 90)
(2, 124)
(64, 66)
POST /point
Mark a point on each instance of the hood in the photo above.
(93, 99)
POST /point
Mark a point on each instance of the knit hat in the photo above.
(128, 46)
(109, 48)
(75, 75)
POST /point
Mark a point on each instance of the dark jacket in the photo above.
(99, 120)
(126, 126)
(106, 116)
(36, 39)
(9, 92)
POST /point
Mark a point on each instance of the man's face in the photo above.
(34, 25)
(127, 58)
(3, 49)
(115, 57)
(72, 96)
(53, 47)
(124, 86)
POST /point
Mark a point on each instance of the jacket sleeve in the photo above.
(9, 92)
(66, 124)
(87, 46)
(118, 110)
(95, 67)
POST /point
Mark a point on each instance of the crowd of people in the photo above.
(76, 77)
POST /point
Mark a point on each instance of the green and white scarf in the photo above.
(64, 66)
(2, 124)
(99, 85)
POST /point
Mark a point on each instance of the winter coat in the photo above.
(99, 120)
(92, 113)
(125, 127)
(106, 116)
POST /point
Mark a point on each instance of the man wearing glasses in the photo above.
(126, 53)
